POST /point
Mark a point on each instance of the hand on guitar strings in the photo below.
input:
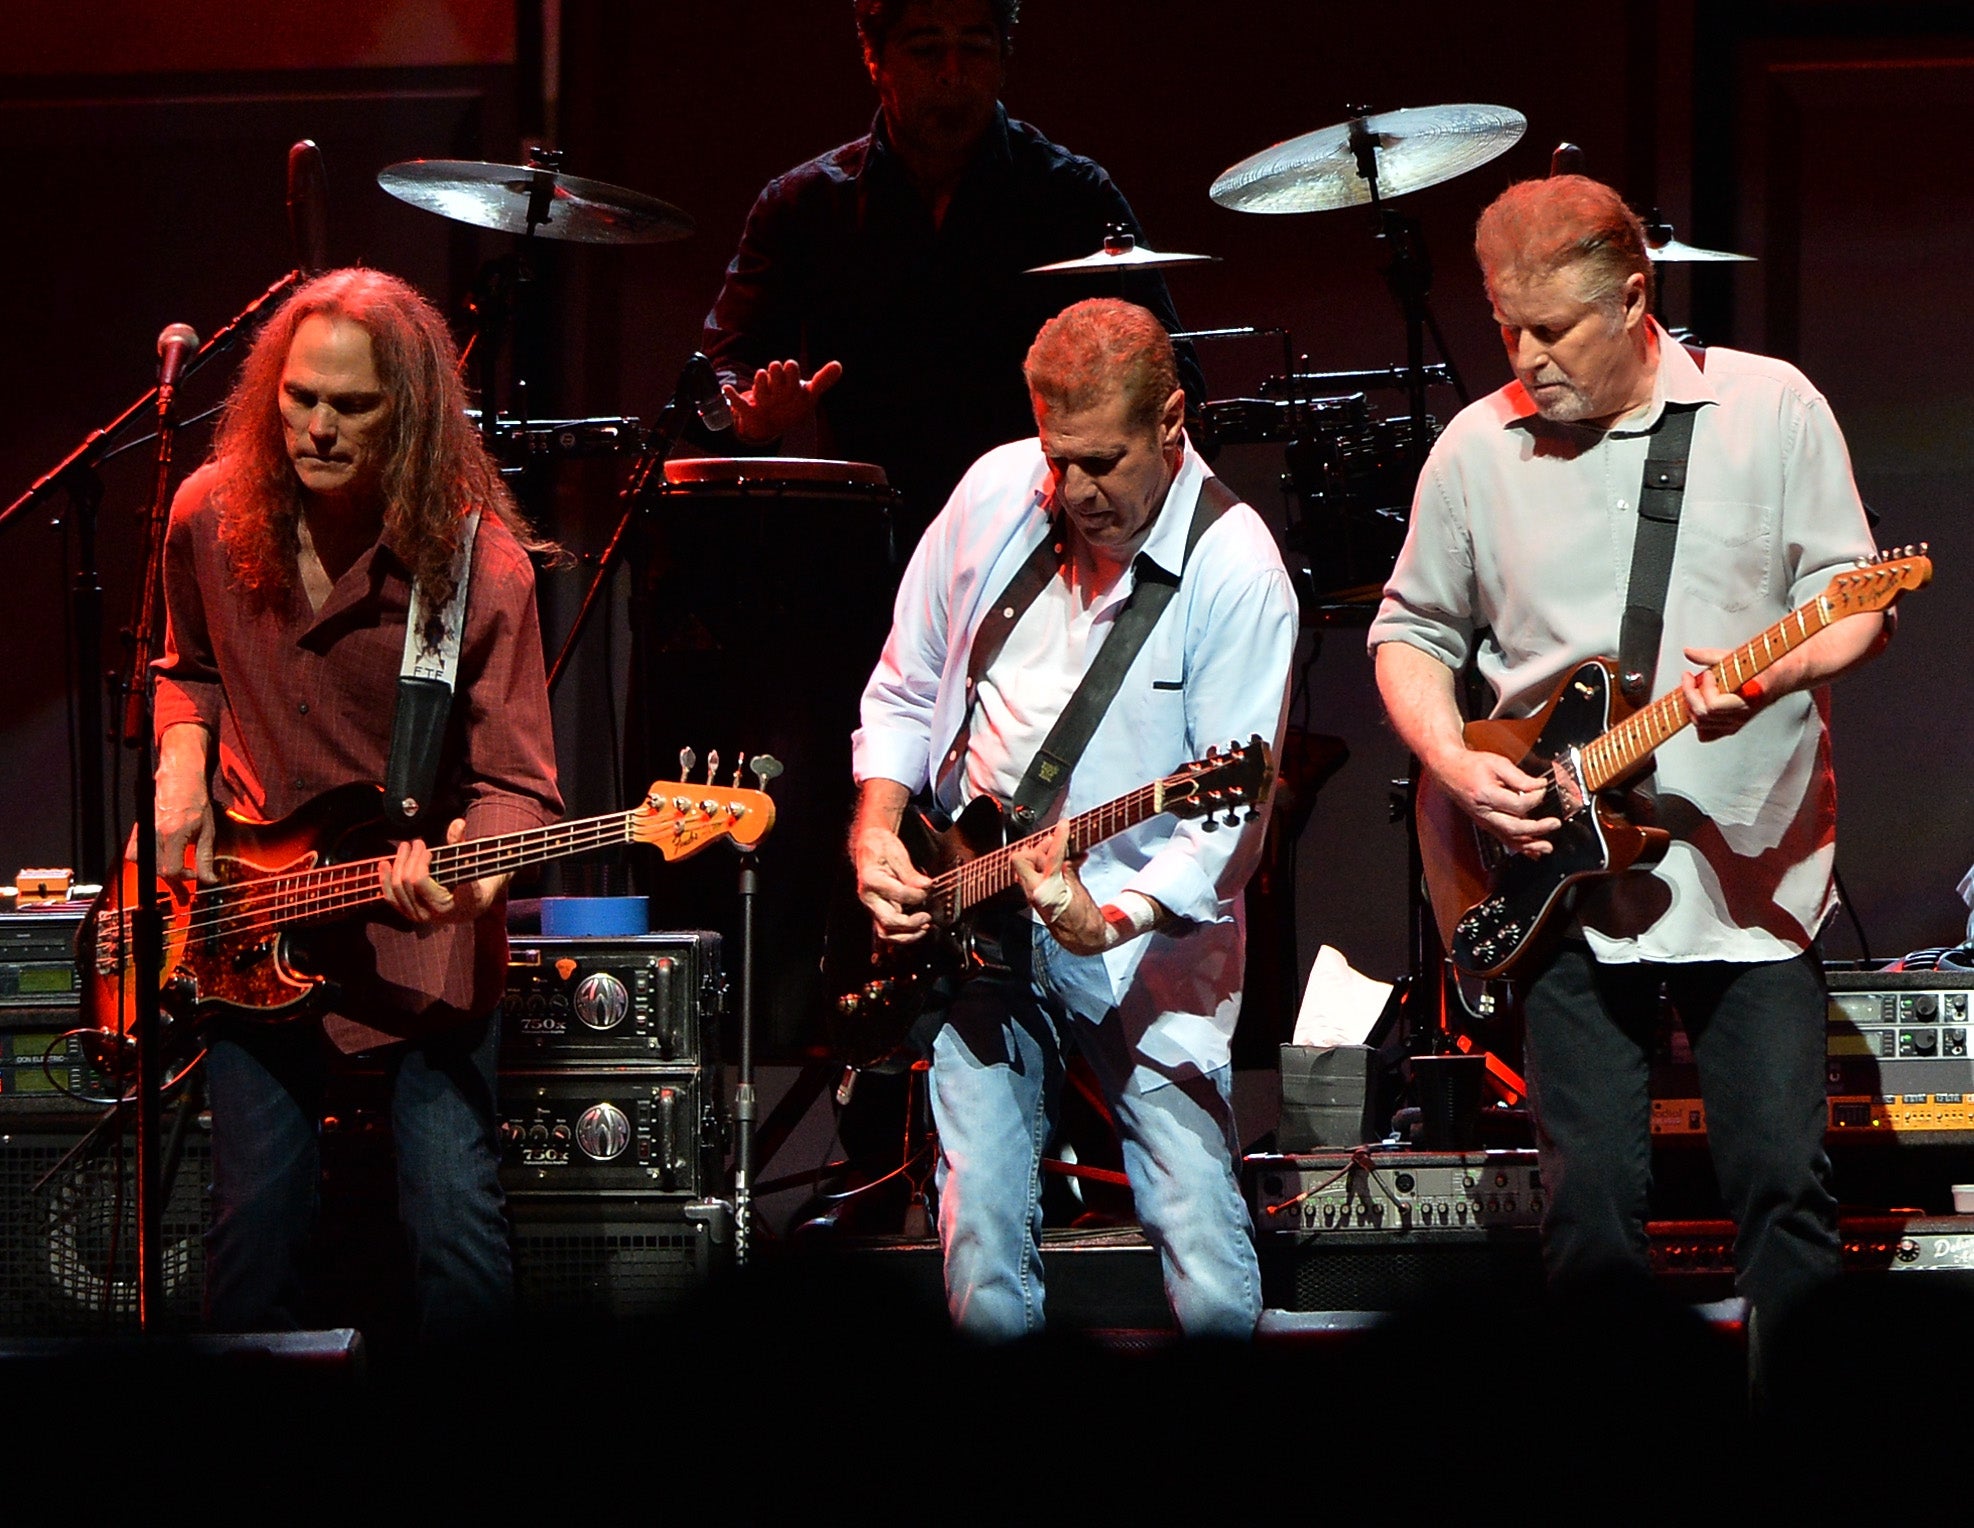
(1499, 796)
(1049, 879)
(890, 887)
(405, 880)
(1717, 712)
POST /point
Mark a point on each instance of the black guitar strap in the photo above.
(1659, 501)
(1152, 590)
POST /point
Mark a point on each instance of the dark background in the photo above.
(145, 186)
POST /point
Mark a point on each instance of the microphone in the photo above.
(1566, 160)
(176, 343)
(701, 384)
(308, 208)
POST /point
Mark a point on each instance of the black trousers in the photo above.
(1757, 1032)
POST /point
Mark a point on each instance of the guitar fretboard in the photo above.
(1632, 741)
(974, 882)
(327, 891)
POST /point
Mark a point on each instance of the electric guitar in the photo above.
(1587, 744)
(229, 947)
(971, 863)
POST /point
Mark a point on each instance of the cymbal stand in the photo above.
(1409, 275)
(646, 476)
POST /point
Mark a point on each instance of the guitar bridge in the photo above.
(1566, 782)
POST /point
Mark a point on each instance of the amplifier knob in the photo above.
(603, 1132)
(601, 1001)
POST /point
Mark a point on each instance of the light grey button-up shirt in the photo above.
(1521, 542)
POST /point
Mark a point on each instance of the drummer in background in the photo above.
(894, 264)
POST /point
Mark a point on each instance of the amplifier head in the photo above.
(634, 1130)
(589, 1001)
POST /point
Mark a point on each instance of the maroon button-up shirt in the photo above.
(299, 701)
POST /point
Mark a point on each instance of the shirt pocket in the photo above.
(1726, 553)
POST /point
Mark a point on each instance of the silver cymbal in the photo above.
(1415, 148)
(1121, 251)
(540, 202)
(1674, 252)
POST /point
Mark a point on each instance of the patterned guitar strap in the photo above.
(425, 684)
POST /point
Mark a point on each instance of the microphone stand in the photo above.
(75, 475)
(647, 472)
(147, 918)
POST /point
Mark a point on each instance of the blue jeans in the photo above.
(266, 1089)
(997, 1071)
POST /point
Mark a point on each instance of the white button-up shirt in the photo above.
(1213, 671)
(1521, 540)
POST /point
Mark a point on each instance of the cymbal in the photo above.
(1674, 252)
(1418, 147)
(540, 202)
(1121, 251)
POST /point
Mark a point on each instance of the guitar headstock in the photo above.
(1236, 782)
(1875, 584)
(678, 818)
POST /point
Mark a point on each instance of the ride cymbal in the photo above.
(536, 201)
(1414, 148)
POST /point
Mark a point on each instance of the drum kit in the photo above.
(1350, 471)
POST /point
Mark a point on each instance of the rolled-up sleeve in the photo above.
(1428, 601)
(1241, 644)
(188, 686)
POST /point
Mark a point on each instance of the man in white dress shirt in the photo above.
(1133, 954)
(1519, 555)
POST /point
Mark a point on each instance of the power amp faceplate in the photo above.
(586, 1001)
(606, 1130)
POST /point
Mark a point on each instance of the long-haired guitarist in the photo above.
(1133, 955)
(1520, 557)
(343, 474)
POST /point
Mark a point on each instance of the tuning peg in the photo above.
(736, 769)
(712, 765)
(687, 758)
(765, 766)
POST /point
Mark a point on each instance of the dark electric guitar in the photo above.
(229, 947)
(971, 864)
(1587, 744)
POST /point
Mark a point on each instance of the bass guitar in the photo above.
(229, 946)
(1587, 745)
(971, 863)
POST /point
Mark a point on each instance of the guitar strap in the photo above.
(1151, 591)
(425, 685)
(1659, 500)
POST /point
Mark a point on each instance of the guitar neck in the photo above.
(1632, 741)
(307, 896)
(993, 872)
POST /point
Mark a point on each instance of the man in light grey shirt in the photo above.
(1519, 554)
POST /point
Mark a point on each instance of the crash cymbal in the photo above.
(1121, 251)
(1673, 252)
(1418, 147)
(536, 200)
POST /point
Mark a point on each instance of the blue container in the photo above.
(595, 917)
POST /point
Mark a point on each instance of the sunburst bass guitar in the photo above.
(1587, 745)
(228, 946)
(971, 863)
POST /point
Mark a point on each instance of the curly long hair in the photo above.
(435, 468)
